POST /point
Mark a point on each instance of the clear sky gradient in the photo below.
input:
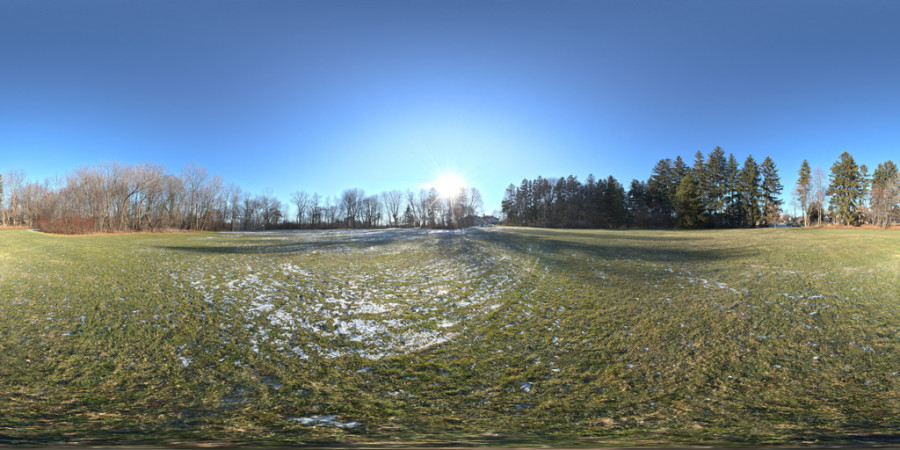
(327, 95)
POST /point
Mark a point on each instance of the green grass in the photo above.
(503, 336)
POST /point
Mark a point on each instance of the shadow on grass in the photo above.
(622, 244)
(653, 235)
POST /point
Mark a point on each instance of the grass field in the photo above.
(499, 336)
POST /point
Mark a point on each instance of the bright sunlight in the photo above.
(449, 184)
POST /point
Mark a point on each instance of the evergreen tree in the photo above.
(592, 193)
(543, 196)
(559, 202)
(679, 170)
(524, 203)
(658, 192)
(771, 189)
(864, 175)
(614, 202)
(409, 217)
(733, 204)
(804, 190)
(717, 176)
(508, 205)
(749, 191)
(847, 190)
(564, 202)
(637, 205)
(574, 203)
(883, 173)
(700, 177)
(866, 182)
(688, 204)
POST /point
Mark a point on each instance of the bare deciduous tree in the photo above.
(120, 197)
(818, 193)
(233, 193)
(315, 210)
(371, 209)
(300, 200)
(413, 204)
(14, 180)
(885, 194)
(392, 203)
(351, 202)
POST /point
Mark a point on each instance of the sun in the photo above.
(449, 184)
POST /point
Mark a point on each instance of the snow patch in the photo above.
(325, 421)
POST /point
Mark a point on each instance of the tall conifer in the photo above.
(688, 205)
(804, 190)
(716, 174)
(771, 189)
(701, 179)
(847, 190)
(748, 186)
(733, 208)
(658, 191)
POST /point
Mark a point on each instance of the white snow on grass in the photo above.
(325, 421)
(322, 294)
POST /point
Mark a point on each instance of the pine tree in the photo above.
(864, 177)
(866, 182)
(771, 189)
(614, 202)
(688, 204)
(733, 208)
(701, 178)
(716, 174)
(658, 192)
(749, 189)
(409, 217)
(679, 170)
(847, 189)
(508, 205)
(559, 202)
(524, 200)
(592, 193)
(804, 190)
(574, 202)
(636, 202)
(883, 173)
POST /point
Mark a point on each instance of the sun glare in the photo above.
(449, 184)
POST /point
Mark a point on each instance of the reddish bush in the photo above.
(70, 224)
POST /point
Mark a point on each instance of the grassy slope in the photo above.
(561, 336)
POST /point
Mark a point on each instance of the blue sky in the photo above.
(327, 95)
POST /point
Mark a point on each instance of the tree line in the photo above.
(394, 208)
(714, 191)
(853, 196)
(114, 197)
